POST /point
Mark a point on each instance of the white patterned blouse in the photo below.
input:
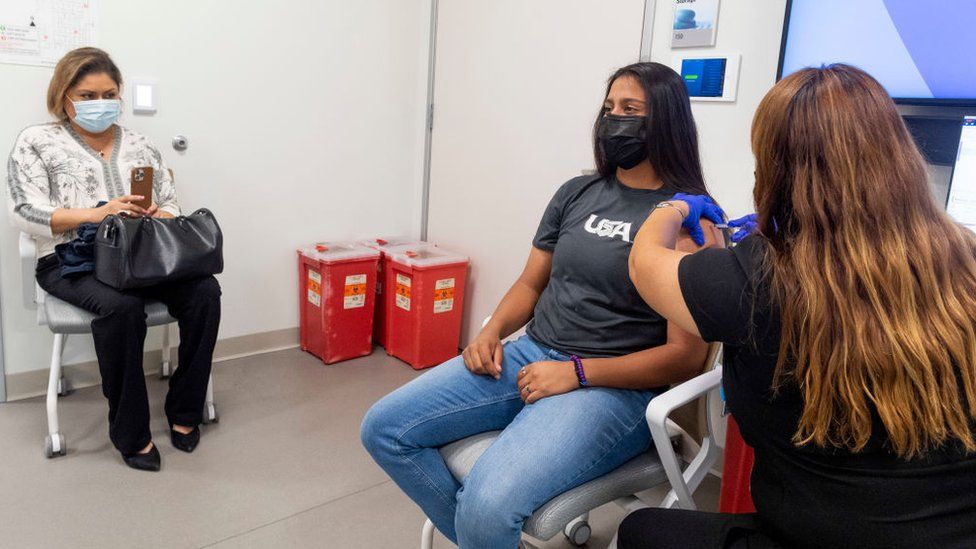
(52, 167)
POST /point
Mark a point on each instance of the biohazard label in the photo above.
(314, 288)
(403, 292)
(444, 295)
(355, 292)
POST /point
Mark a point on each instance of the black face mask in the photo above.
(622, 140)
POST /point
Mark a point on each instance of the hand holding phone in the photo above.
(142, 184)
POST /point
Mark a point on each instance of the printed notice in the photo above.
(695, 22)
(444, 295)
(355, 292)
(314, 288)
(403, 292)
(40, 32)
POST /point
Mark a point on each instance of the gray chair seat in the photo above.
(64, 318)
(638, 474)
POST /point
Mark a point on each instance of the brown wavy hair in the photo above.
(875, 283)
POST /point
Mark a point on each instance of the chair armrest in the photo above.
(28, 261)
(658, 411)
(661, 406)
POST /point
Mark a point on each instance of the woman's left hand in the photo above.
(154, 211)
(698, 206)
(546, 378)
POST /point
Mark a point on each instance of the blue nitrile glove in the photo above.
(699, 206)
(746, 224)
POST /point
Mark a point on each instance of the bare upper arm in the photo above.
(693, 346)
(713, 238)
(656, 277)
(537, 269)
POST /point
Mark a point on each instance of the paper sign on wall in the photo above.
(695, 23)
(40, 32)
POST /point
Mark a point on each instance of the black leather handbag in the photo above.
(138, 252)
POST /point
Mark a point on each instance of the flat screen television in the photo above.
(923, 52)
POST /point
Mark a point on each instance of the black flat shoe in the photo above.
(150, 461)
(187, 442)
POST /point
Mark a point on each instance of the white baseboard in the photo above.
(85, 374)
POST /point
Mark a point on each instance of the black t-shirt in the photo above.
(810, 496)
(590, 307)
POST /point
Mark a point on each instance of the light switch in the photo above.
(144, 100)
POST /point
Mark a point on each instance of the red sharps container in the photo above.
(337, 292)
(736, 494)
(382, 296)
(423, 320)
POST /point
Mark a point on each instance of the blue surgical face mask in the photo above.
(97, 115)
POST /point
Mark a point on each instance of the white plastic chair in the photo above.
(63, 319)
(569, 512)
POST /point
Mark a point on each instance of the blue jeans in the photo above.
(544, 450)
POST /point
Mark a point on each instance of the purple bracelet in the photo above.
(580, 375)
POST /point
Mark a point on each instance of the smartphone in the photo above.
(142, 185)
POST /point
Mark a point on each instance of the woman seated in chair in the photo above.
(848, 324)
(570, 396)
(58, 173)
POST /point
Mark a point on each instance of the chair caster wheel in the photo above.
(210, 415)
(64, 387)
(579, 534)
(49, 449)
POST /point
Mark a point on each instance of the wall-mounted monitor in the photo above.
(961, 202)
(709, 76)
(921, 51)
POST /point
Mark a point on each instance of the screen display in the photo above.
(704, 77)
(961, 203)
(917, 50)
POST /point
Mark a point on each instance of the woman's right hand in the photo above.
(483, 356)
(117, 206)
(745, 226)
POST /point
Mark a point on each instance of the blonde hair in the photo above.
(875, 283)
(75, 65)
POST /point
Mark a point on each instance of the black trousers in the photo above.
(120, 333)
(675, 528)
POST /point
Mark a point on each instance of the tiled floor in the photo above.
(283, 468)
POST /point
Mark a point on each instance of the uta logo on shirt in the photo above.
(607, 228)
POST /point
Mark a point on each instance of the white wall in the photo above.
(724, 128)
(753, 29)
(305, 121)
(518, 87)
